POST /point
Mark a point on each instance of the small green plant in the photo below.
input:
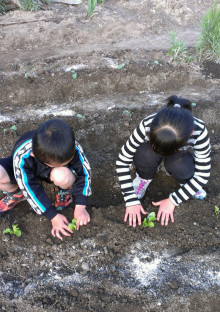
(91, 7)
(208, 43)
(72, 225)
(2, 7)
(14, 231)
(101, 1)
(29, 5)
(216, 211)
(177, 48)
(74, 74)
(149, 221)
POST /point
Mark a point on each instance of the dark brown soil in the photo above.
(106, 265)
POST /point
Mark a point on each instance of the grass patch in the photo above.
(208, 43)
(2, 7)
(29, 5)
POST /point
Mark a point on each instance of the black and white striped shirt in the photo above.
(199, 142)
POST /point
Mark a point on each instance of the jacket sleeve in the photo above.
(81, 167)
(30, 186)
(124, 161)
(202, 158)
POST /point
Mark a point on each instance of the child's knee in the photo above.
(62, 177)
(4, 177)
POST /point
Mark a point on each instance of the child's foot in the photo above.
(10, 201)
(201, 194)
(140, 186)
(63, 198)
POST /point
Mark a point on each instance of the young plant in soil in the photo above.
(209, 39)
(216, 211)
(91, 7)
(177, 47)
(2, 7)
(72, 225)
(149, 221)
(14, 231)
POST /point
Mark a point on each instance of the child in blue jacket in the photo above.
(49, 154)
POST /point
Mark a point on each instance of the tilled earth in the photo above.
(123, 74)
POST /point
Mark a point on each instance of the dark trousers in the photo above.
(180, 165)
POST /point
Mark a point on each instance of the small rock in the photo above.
(6, 238)
(85, 266)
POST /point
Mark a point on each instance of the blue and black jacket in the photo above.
(29, 171)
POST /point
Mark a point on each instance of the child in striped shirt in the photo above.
(175, 136)
(49, 154)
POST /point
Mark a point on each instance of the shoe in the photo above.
(63, 198)
(10, 201)
(140, 186)
(201, 194)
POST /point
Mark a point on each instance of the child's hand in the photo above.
(81, 215)
(133, 213)
(60, 224)
(165, 211)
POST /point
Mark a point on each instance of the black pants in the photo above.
(180, 165)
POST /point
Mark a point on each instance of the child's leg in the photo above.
(146, 161)
(5, 183)
(9, 186)
(62, 177)
(181, 166)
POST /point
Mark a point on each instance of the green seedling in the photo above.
(194, 104)
(177, 46)
(14, 128)
(120, 66)
(91, 7)
(127, 112)
(81, 116)
(216, 211)
(149, 221)
(14, 231)
(72, 225)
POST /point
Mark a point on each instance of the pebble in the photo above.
(85, 266)
(6, 238)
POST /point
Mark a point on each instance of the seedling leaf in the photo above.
(7, 231)
(74, 75)
(13, 128)
(72, 225)
(150, 224)
(120, 66)
(216, 211)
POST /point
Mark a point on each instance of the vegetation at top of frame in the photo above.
(209, 39)
(177, 49)
(2, 7)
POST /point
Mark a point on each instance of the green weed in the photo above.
(177, 48)
(14, 231)
(91, 7)
(29, 5)
(72, 225)
(101, 1)
(208, 43)
(149, 221)
(2, 7)
(216, 211)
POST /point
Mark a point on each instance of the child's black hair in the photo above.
(172, 126)
(53, 142)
